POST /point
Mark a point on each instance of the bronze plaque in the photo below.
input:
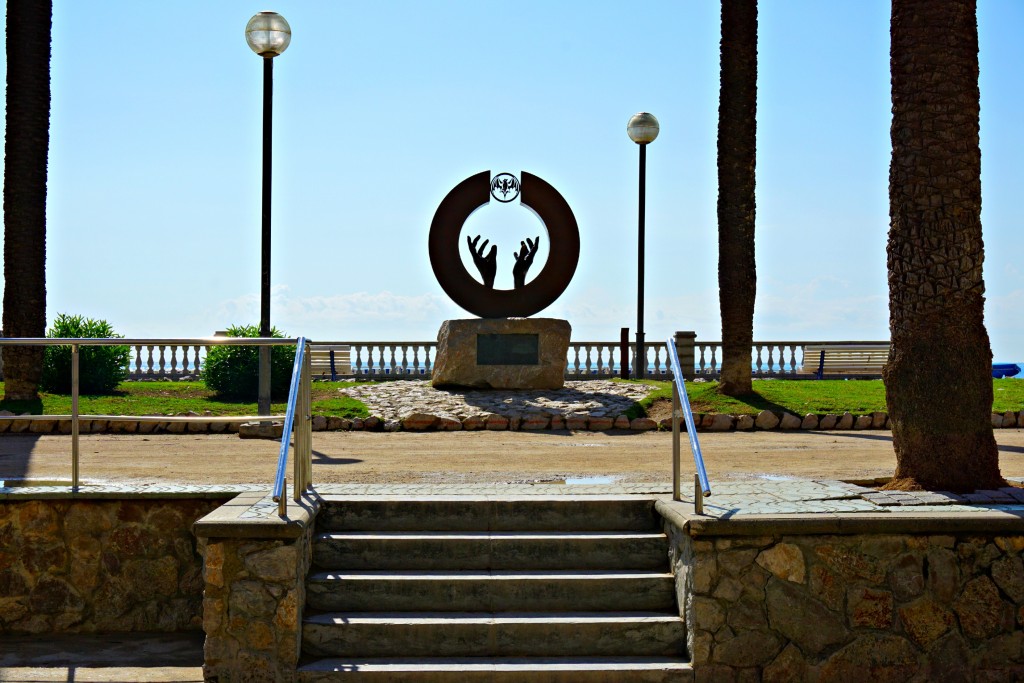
(507, 349)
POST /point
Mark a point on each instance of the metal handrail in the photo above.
(299, 396)
(681, 400)
(75, 417)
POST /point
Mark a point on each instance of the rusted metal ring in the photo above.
(563, 237)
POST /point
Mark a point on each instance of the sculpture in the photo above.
(488, 265)
(525, 299)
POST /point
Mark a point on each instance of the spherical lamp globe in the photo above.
(643, 128)
(268, 34)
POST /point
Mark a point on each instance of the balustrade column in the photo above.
(685, 342)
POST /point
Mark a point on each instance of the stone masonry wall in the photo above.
(860, 607)
(425, 420)
(252, 609)
(81, 566)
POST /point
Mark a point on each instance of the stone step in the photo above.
(487, 513)
(491, 591)
(445, 634)
(502, 670)
(491, 550)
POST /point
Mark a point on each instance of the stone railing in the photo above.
(415, 359)
(395, 360)
(768, 358)
(150, 361)
(391, 360)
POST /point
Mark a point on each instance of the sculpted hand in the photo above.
(524, 259)
(487, 265)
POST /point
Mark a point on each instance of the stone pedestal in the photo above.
(502, 353)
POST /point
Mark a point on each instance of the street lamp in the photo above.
(268, 34)
(642, 129)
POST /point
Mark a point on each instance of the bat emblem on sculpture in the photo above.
(488, 265)
(505, 183)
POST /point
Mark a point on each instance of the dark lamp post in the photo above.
(642, 129)
(268, 34)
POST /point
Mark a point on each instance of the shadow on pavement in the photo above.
(320, 458)
(1003, 448)
(853, 435)
(15, 453)
(128, 650)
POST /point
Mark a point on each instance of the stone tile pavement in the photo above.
(729, 499)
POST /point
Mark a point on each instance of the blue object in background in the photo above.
(1001, 370)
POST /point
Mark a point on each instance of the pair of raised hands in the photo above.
(488, 265)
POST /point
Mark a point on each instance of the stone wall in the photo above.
(425, 420)
(831, 607)
(81, 566)
(255, 573)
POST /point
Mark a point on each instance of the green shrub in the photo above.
(233, 371)
(100, 368)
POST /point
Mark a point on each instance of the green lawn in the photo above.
(171, 398)
(796, 396)
(812, 396)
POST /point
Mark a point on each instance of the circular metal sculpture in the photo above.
(526, 298)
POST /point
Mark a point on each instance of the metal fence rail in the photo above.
(297, 400)
(681, 403)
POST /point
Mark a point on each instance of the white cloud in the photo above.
(355, 316)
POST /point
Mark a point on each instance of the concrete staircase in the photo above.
(492, 589)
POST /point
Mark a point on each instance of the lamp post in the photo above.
(268, 34)
(642, 129)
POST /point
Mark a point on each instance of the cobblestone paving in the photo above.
(596, 398)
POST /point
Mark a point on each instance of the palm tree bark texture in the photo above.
(737, 137)
(938, 380)
(26, 145)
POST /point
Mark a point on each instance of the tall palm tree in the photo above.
(26, 144)
(938, 380)
(737, 136)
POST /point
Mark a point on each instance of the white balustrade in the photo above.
(383, 360)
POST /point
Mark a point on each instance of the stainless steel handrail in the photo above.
(75, 417)
(681, 400)
(298, 401)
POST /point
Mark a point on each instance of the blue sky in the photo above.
(381, 108)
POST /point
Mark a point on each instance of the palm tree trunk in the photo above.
(938, 379)
(26, 145)
(737, 135)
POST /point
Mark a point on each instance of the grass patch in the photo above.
(808, 396)
(172, 398)
(1008, 395)
(795, 396)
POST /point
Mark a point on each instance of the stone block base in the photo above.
(261, 430)
(502, 353)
